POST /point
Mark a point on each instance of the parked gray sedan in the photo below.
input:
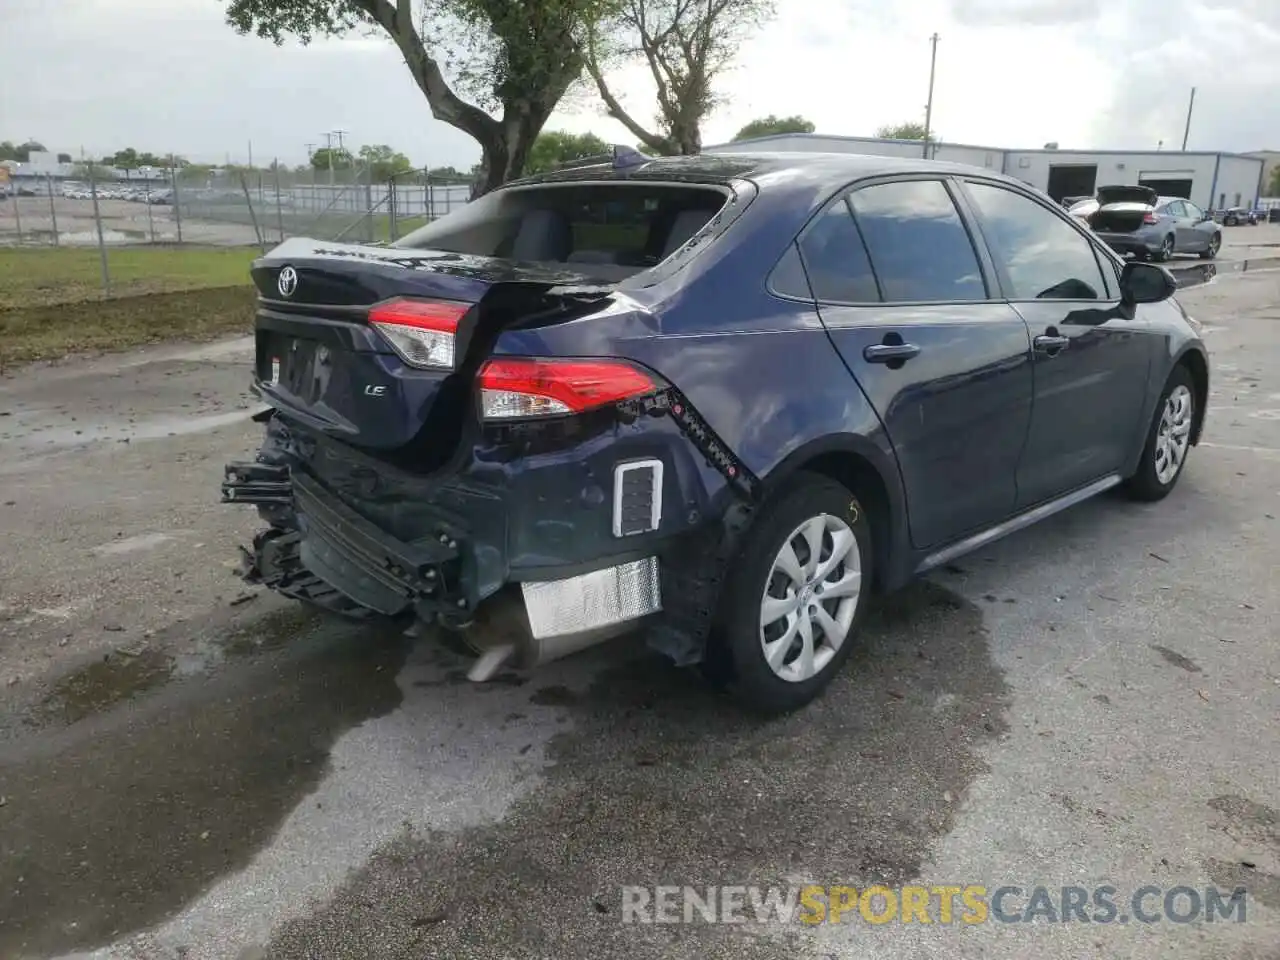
(1136, 220)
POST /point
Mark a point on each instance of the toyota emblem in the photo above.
(287, 282)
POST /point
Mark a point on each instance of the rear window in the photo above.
(606, 229)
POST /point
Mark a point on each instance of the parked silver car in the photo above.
(1136, 220)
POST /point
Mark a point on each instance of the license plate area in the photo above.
(294, 364)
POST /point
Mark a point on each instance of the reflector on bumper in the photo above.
(593, 600)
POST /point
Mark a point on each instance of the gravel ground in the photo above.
(191, 769)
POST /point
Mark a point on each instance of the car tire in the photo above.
(1215, 244)
(1165, 253)
(772, 648)
(1168, 439)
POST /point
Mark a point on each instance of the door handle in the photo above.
(1052, 345)
(889, 352)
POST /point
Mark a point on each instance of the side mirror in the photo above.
(1146, 283)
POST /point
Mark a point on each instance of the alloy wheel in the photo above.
(1173, 435)
(1166, 249)
(810, 598)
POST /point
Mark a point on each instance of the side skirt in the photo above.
(1016, 523)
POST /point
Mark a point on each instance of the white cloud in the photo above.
(170, 75)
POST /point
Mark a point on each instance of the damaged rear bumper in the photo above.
(596, 542)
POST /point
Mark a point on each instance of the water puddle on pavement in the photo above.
(118, 676)
(111, 824)
(658, 781)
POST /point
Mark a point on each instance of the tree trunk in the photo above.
(504, 153)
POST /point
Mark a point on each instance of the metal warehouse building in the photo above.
(1209, 180)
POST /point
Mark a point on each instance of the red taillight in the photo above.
(423, 332)
(1150, 218)
(522, 387)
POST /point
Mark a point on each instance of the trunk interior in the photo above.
(1122, 208)
(1119, 217)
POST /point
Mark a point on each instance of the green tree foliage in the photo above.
(686, 46)
(772, 126)
(1274, 186)
(904, 131)
(126, 159)
(383, 163)
(22, 152)
(555, 147)
(510, 62)
(335, 158)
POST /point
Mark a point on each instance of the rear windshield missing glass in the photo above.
(611, 229)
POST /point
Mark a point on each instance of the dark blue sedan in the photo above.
(728, 397)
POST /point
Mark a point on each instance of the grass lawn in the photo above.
(51, 301)
(62, 274)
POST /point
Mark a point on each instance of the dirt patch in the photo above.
(661, 782)
(1255, 827)
(52, 331)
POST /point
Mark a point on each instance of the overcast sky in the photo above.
(169, 75)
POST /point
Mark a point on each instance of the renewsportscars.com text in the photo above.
(968, 904)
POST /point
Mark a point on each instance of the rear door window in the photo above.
(609, 229)
(836, 259)
(1043, 256)
(918, 245)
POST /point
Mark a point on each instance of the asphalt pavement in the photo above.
(193, 769)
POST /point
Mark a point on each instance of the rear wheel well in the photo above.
(859, 476)
(1199, 371)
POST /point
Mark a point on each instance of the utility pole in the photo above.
(1186, 132)
(928, 107)
(328, 139)
(250, 154)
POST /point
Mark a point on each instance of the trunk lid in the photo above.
(1122, 209)
(1126, 194)
(322, 363)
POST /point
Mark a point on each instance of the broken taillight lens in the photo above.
(423, 332)
(519, 387)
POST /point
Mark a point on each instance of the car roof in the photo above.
(773, 169)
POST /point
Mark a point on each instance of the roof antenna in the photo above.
(624, 156)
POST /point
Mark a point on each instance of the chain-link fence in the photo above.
(266, 206)
(221, 207)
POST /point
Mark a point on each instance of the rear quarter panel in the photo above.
(762, 371)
